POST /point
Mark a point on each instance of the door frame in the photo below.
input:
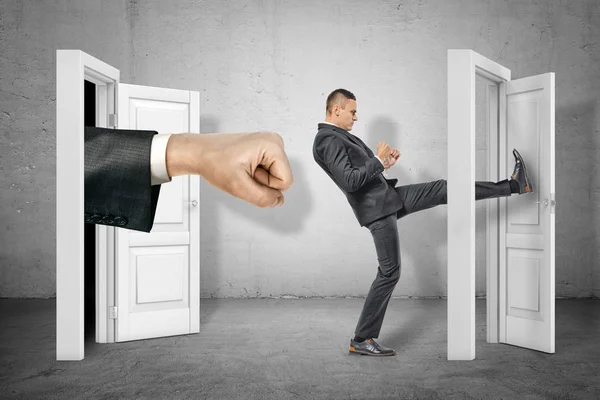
(72, 68)
(463, 66)
(106, 94)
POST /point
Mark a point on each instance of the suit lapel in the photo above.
(367, 149)
(350, 136)
(356, 140)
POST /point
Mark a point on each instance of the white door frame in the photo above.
(492, 211)
(463, 66)
(72, 68)
(106, 94)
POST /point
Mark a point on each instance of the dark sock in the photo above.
(359, 339)
(514, 186)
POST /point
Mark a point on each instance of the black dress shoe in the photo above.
(520, 174)
(370, 348)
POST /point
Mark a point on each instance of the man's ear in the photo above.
(336, 110)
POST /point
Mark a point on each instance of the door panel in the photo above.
(172, 114)
(167, 216)
(155, 264)
(157, 272)
(523, 133)
(527, 221)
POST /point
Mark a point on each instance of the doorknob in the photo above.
(193, 203)
(545, 202)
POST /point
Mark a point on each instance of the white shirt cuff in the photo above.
(158, 159)
(384, 172)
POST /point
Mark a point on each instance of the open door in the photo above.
(147, 284)
(526, 259)
(523, 304)
(158, 273)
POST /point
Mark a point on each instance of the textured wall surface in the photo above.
(269, 65)
(30, 34)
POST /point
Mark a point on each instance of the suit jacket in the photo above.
(357, 172)
(118, 189)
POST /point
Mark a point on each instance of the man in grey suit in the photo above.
(378, 204)
(125, 168)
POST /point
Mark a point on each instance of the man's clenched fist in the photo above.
(387, 155)
(383, 150)
(250, 166)
(391, 159)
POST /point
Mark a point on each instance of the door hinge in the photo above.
(112, 314)
(112, 120)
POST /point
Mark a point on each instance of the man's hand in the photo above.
(249, 166)
(383, 150)
(391, 159)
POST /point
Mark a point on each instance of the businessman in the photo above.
(125, 168)
(377, 203)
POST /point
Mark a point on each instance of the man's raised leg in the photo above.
(422, 196)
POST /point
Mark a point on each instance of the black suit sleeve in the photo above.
(118, 189)
(350, 177)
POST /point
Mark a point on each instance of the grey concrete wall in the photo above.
(266, 65)
(30, 33)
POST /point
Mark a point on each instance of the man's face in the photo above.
(347, 116)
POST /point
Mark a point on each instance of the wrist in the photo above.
(182, 149)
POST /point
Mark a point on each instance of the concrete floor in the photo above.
(298, 349)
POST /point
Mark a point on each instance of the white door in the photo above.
(158, 273)
(526, 259)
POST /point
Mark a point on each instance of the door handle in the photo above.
(194, 203)
(552, 203)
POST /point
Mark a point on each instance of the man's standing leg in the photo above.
(387, 246)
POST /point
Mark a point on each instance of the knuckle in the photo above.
(274, 136)
(287, 184)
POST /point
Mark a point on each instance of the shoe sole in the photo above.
(528, 185)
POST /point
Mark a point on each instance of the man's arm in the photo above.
(125, 168)
(118, 182)
(351, 178)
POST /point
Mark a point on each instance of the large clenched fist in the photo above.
(250, 166)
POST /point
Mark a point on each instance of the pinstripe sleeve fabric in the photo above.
(118, 189)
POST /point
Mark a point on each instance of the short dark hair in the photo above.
(336, 96)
